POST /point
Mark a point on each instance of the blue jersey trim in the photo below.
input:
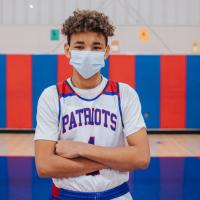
(88, 99)
(73, 92)
(92, 99)
(119, 104)
(59, 105)
(59, 112)
(67, 95)
(120, 110)
(110, 93)
(105, 195)
(106, 93)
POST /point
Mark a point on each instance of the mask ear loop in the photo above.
(105, 49)
(69, 50)
(105, 52)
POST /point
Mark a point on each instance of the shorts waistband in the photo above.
(63, 194)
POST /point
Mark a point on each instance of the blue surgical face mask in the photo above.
(87, 63)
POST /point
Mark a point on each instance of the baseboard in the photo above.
(150, 131)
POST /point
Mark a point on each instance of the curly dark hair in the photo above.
(87, 20)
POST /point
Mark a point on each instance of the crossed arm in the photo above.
(69, 159)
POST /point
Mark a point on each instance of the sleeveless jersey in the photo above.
(97, 121)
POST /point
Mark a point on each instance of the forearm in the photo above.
(58, 167)
(126, 158)
(118, 158)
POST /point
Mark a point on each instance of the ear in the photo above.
(107, 52)
(66, 49)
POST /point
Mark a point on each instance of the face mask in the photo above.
(87, 63)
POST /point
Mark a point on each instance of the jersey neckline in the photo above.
(87, 99)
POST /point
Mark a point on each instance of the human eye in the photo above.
(79, 47)
(97, 48)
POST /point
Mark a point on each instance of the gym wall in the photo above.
(168, 86)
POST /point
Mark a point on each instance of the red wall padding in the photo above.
(122, 69)
(19, 91)
(173, 92)
(64, 68)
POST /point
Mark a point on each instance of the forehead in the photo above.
(88, 37)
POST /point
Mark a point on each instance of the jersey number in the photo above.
(92, 141)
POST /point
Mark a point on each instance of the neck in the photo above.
(79, 82)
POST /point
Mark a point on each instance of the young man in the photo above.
(90, 132)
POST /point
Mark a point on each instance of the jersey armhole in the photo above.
(119, 103)
(59, 103)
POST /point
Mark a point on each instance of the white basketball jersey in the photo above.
(97, 121)
(113, 113)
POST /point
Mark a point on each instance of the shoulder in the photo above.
(49, 95)
(49, 92)
(129, 96)
(127, 90)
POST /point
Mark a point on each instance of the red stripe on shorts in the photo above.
(55, 191)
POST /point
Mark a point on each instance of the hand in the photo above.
(69, 149)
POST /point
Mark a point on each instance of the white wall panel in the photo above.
(121, 18)
(83, 4)
(35, 40)
(194, 12)
(33, 16)
(44, 12)
(144, 11)
(96, 4)
(8, 11)
(21, 10)
(157, 12)
(132, 14)
(121, 12)
(182, 12)
(170, 12)
(1, 12)
(70, 6)
(110, 10)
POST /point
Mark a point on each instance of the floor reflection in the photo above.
(174, 178)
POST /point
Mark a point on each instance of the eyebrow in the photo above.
(82, 42)
(79, 42)
(96, 43)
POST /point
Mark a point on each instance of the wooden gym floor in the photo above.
(161, 145)
(173, 172)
